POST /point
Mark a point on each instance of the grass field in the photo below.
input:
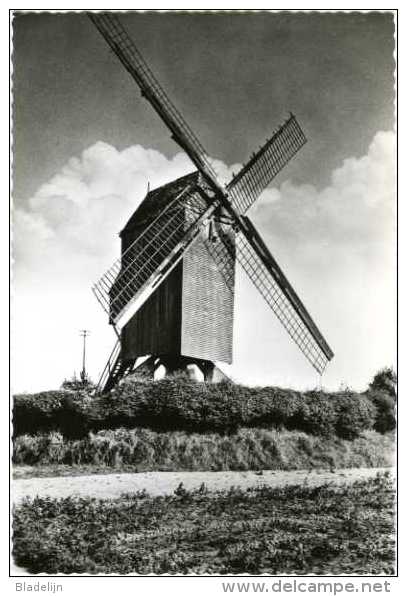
(293, 530)
(138, 450)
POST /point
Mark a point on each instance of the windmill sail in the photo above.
(123, 46)
(257, 174)
(268, 278)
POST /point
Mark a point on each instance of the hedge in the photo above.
(177, 403)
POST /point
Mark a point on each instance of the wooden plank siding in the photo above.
(207, 308)
(156, 327)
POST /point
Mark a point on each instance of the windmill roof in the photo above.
(157, 199)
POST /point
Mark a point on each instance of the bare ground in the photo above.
(159, 483)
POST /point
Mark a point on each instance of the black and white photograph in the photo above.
(204, 295)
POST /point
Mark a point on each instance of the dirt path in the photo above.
(159, 483)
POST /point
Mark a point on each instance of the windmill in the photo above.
(170, 295)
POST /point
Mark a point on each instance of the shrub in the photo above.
(385, 380)
(72, 413)
(272, 406)
(353, 415)
(79, 414)
(385, 406)
(75, 384)
(316, 414)
(382, 394)
(37, 412)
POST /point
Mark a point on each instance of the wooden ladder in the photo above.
(115, 369)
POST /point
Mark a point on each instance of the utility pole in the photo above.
(84, 333)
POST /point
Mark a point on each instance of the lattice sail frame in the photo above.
(276, 290)
(133, 277)
(278, 301)
(123, 46)
(264, 165)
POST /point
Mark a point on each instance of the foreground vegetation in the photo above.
(178, 424)
(295, 530)
(140, 450)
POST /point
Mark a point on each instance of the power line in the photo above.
(84, 333)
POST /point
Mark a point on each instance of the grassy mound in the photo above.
(248, 449)
(295, 530)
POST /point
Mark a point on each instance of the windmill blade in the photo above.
(118, 39)
(257, 174)
(268, 278)
(146, 263)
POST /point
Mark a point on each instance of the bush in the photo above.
(316, 414)
(353, 416)
(37, 412)
(84, 383)
(79, 414)
(385, 406)
(175, 403)
(385, 380)
(73, 414)
(382, 394)
(272, 406)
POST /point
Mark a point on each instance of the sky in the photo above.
(86, 145)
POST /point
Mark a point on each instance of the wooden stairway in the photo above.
(115, 369)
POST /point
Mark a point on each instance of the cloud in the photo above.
(82, 208)
(224, 173)
(64, 238)
(337, 247)
(355, 211)
(335, 244)
(75, 217)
